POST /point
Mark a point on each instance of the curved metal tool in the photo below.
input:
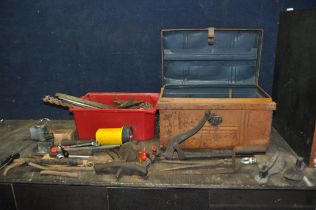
(174, 144)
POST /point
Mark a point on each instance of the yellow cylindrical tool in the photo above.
(108, 136)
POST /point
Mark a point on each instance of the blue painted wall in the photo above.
(78, 46)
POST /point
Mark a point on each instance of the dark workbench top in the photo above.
(14, 137)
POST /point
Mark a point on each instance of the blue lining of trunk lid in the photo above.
(194, 69)
(188, 59)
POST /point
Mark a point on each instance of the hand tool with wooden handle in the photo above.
(60, 173)
(9, 160)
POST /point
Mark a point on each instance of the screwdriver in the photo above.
(9, 160)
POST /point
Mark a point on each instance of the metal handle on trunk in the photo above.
(215, 119)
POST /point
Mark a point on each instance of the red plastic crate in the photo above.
(88, 121)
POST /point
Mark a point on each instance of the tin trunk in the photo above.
(214, 70)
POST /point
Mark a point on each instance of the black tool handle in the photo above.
(9, 160)
(121, 167)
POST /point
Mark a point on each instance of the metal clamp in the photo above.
(40, 131)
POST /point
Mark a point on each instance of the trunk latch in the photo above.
(211, 36)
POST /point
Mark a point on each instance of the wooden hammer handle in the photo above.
(60, 168)
(60, 173)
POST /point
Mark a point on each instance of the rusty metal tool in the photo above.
(81, 102)
(174, 144)
(64, 161)
(132, 103)
(64, 100)
(204, 171)
(128, 103)
(199, 165)
(39, 162)
(58, 102)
